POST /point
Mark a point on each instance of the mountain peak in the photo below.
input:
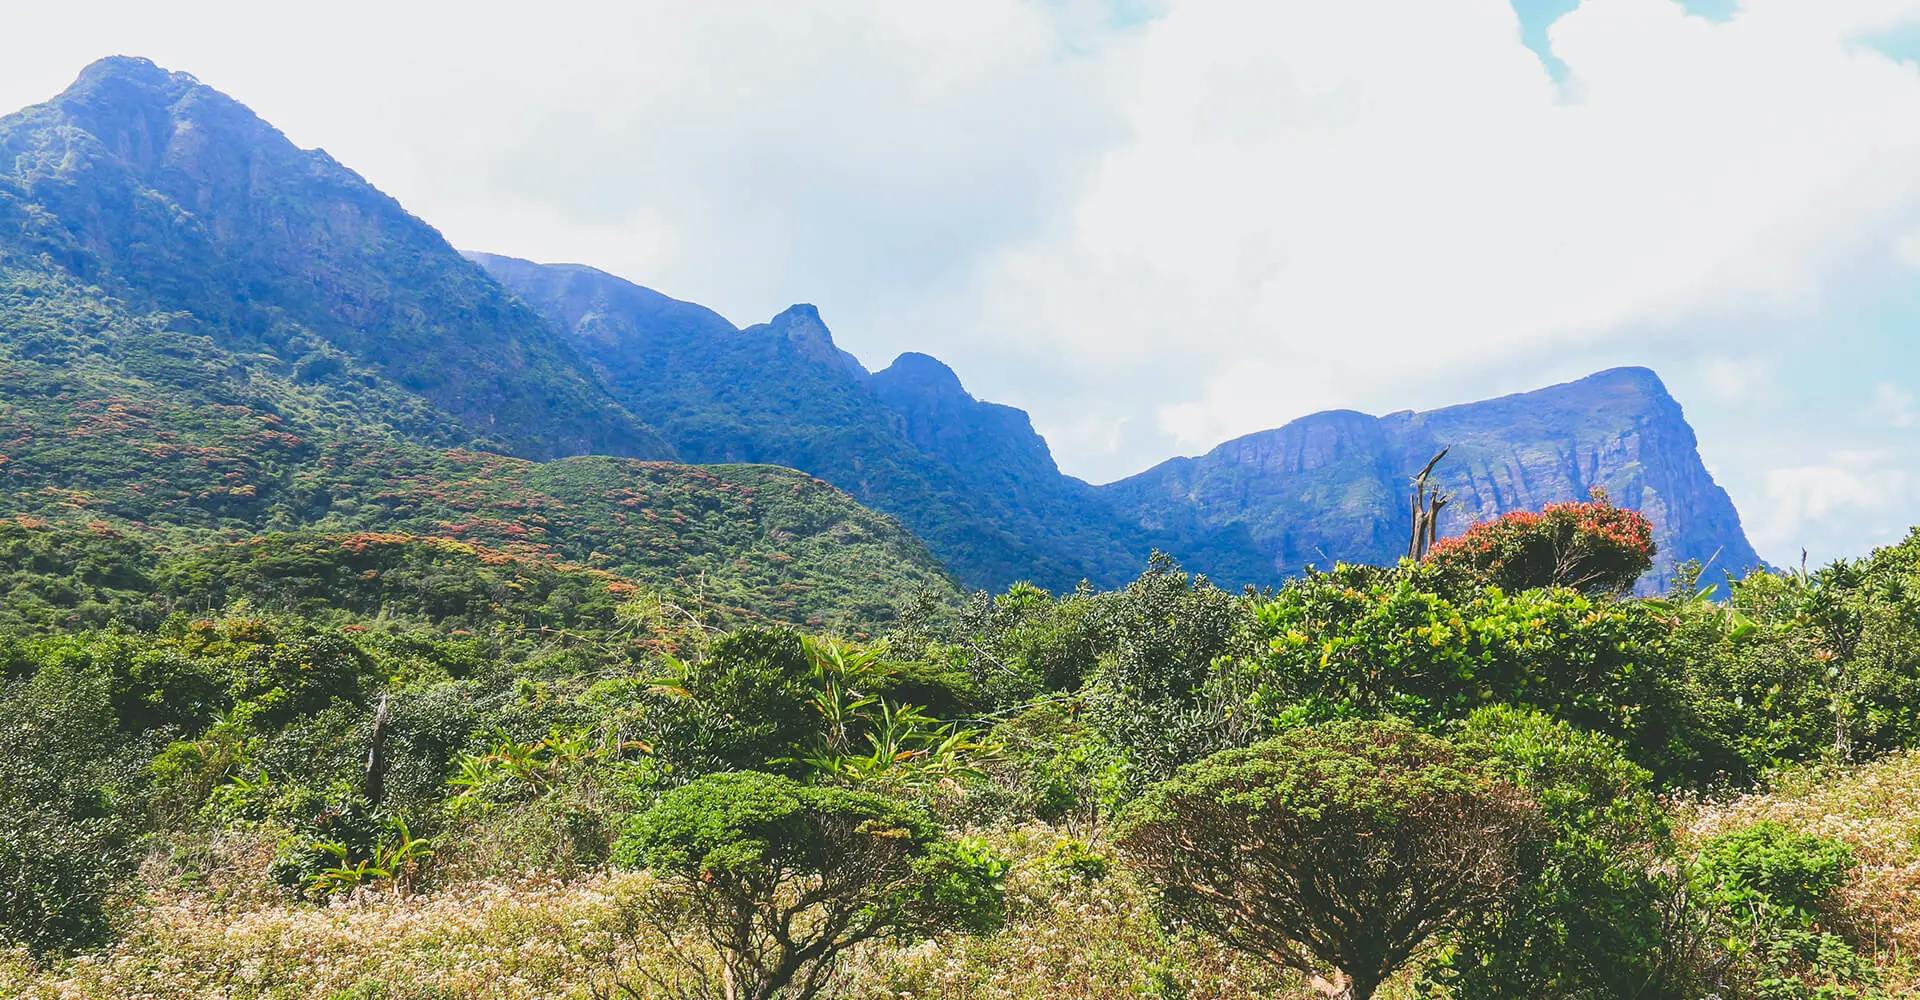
(923, 372)
(1332, 485)
(1631, 378)
(175, 197)
(1633, 373)
(802, 312)
(801, 326)
(135, 69)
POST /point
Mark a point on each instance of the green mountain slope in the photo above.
(176, 198)
(165, 403)
(976, 481)
(206, 326)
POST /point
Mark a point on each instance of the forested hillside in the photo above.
(207, 330)
(971, 478)
(177, 199)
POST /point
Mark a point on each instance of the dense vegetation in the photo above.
(1380, 781)
(220, 337)
(970, 478)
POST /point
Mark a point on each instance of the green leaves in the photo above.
(1766, 890)
(1766, 865)
(1365, 642)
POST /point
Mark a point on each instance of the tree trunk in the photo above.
(374, 784)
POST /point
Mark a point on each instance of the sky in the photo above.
(1159, 224)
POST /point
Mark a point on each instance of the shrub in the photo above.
(1347, 845)
(1050, 764)
(342, 829)
(59, 874)
(784, 878)
(1166, 630)
(1362, 642)
(1071, 861)
(1592, 547)
(64, 825)
(1590, 921)
(1807, 665)
(745, 705)
(1769, 866)
(1763, 889)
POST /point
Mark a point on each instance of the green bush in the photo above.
(745, 705)
(1165, 632)
(1813, 665)
(1590, 922)
(60, 875)
(1050, 764)
(1769, 866)
(1765, 890)
(1365, 642)
(66, 805)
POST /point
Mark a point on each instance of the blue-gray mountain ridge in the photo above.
(976, 481)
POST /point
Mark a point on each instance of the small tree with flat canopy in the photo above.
(1346, 846)
(780, 879)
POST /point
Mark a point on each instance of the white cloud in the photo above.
(1318, 210)
(1741, 379)
(1803, 502)
(1893, 406)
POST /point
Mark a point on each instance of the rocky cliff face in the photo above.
(177, 201)
(941, 418)
(1332, 487)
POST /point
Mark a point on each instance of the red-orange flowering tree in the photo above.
(1592, 546)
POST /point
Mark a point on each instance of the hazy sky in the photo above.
(1156, 225)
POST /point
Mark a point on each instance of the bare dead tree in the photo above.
(1427, 500)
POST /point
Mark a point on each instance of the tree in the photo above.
(1593, 547)
(1811, 663)
(781, 879)
(1348, 845)
(1367, 642)
(746, 705)
(65, 833)
(1165, 632)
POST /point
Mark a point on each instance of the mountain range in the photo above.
(206, 328)
(976, 481)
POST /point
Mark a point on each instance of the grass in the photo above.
(1067, 939)
(1875, 808)
(207, 925)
